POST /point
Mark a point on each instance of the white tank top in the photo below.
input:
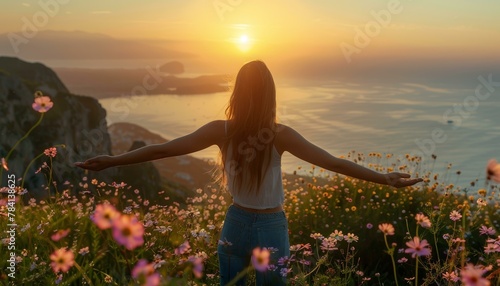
(271, 193)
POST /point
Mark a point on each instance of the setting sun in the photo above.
(244, 43)
(243, 39)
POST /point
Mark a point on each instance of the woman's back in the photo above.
(270, 190)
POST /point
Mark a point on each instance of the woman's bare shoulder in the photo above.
(283, 130)
(217, 123)
(218, 126)
(282, 137)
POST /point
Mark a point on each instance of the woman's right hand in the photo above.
(96, 163)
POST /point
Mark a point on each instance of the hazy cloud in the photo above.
(428, 88)
(76, 45)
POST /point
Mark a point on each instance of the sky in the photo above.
(301, 38)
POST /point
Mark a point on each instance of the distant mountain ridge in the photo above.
(103, 83)
(49, 44)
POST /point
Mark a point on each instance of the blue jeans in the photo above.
(245, 231)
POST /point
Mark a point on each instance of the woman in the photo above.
(251, 144)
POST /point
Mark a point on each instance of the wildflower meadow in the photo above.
(343, 231)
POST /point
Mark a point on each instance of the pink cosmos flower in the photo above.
(418, 248)
(128, 231)
(84, 250)
(316, 235)
(197, 266)
(423, 220)
(145, 272)
(451, 276)
(301, 246)
(386, 228)
(183, 248)
(458, 240)
(473, 275)
(337, 234)
(260, 259)
(104, 216)
(328, 244)
(50, 152)
(484, 230)
(62, 260)
(42, 104)
(142, 267)
(491, 248)
(494, 240)
(493, 171)
(454, 215)
(60, 234)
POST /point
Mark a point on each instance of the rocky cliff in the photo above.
(186, 170)
(78, 122)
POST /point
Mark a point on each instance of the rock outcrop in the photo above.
(186, 170)
(78, 122)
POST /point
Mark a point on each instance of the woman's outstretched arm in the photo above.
(290, 140)
(210, 134)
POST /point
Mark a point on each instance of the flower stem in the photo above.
(240, 275)
(391, 253)
(79, 268)
(34, 159)
(416, 271)
(437, 249)
(318, 264)
(462, 256)
(50, 176)
(19, 141)
(27, 168)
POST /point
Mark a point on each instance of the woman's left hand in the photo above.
(96, 164)
(401, 180)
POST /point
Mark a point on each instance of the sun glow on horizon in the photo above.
(241, 37)
(244, 43)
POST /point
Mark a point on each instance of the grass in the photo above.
(333, 225)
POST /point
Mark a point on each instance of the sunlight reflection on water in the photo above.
(341, 118)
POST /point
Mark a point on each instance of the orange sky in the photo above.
(340, 34)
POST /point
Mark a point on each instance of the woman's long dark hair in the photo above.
(251, 116)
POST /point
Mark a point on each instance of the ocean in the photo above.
(457, 125)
